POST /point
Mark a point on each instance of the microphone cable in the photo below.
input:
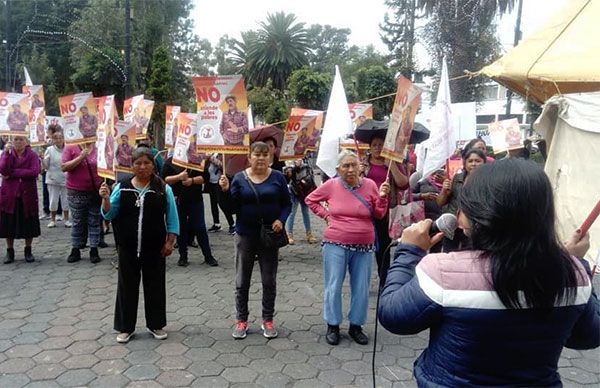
(379, 288)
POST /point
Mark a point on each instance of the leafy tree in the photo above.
(398, 33)
(281, 46)
(374, 81)
(160, 88)
(42, 73)
(310, 89)
(269, 105)
(465, 32)
(329, 47)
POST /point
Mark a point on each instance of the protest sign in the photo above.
(302, 133)
(36, 96)
(14, 118)
(79, 114)
(359, 113)
(505, 135)
(124, 144)
(406, 104)
(54, 120)
(185, 153)
(453, 166)
(134, 112)
(171, 125)
(37, 126)
(105, 142)
(222, 114)
(148, 108)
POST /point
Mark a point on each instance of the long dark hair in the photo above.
(469, 152)
(511, 210)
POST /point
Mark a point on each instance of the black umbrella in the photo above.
(370, 128)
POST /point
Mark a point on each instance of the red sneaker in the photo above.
(269, 330)
(241, 328)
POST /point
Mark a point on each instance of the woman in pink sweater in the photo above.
(353, 203)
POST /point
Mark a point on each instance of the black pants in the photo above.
(149, 267)
(213, 192)
(247, 251)
(225, 202)
(191, 224)
(382, 255)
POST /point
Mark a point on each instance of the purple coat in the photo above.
(19, 181)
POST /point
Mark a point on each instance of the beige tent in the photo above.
(571, 126)
(561, 57)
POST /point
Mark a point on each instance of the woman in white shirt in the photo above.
(56, 179)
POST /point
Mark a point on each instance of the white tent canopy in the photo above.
(571, 126)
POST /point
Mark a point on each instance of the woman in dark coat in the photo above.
(19, 167)
(144, 213)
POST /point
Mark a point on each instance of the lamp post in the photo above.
(516, 42)
(6, 44)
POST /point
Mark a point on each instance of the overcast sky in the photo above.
(362, 17)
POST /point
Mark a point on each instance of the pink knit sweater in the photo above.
(349, 220)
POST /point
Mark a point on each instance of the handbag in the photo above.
(268, 237)
(404, 215)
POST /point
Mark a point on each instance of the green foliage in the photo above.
(310, 89)
(464, 31)
(398, 33)
(42, 73)
(280, 47)
(269, 105)
(160, 87)
(329, 46)
(374, 81)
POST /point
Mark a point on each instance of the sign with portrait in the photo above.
(79, 114)
(171, 125)
(14, 114)
(302, 133)
(222, 114)
(105, 142)
(185, 153)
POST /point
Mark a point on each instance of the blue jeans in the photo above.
(289, 224)
(335, 261)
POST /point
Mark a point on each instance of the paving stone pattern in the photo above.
(56, 327)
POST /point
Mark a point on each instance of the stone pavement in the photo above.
(56, 327)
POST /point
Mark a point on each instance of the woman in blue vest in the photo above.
(143, 209)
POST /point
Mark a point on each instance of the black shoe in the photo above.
(232, 230)
(74, 256)
(102, 244)
(175, 246)
(333, 335)
(183, 262)
(215, 228)
(355, 332)
(29, 258)
(211, 261)
(10, 256)
(94, 257)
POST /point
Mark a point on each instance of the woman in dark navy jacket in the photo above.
(500, 314)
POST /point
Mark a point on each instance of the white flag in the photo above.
(27, 77)
(338, 124)
(439, 147)
(250, 118)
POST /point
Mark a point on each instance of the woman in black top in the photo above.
(187, 188)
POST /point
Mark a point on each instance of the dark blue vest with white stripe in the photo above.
(141, 223)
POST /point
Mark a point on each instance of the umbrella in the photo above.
(263, 132)
(370, 128)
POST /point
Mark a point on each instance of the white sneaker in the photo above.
(123, 338)
(68, 224)
(52, 224)
(159, 334)
(59, 218)
(44, 216)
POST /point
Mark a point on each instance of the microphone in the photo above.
(446, 223)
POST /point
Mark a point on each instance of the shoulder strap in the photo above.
(361, 199)
(251, 184)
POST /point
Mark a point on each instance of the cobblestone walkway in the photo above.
(56, 327)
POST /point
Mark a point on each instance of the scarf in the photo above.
(435, 184)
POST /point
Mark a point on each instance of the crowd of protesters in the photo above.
(503, 273)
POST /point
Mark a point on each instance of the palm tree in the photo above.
(280, 47)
